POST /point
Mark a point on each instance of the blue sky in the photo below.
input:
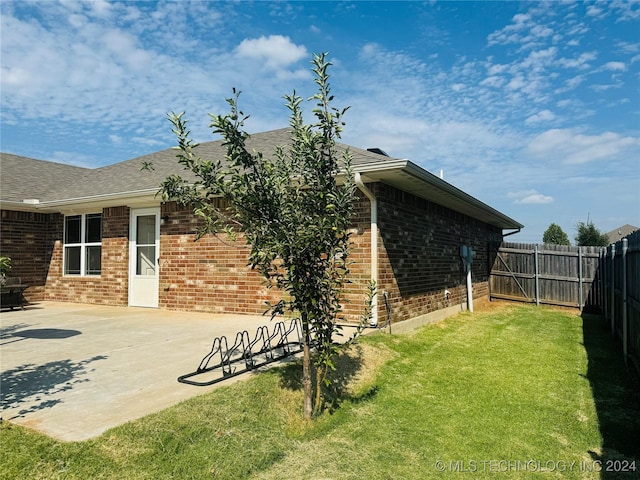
(533, 108)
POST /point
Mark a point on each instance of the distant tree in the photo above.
(554, 235)
(589, 235)
(291, 210)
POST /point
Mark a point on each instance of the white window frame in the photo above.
(83, 244)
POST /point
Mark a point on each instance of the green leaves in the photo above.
(288, 204)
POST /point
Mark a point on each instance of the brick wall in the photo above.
(111, 286)
(419, 256)
(28, 239)
(360, 261)
(211, 274)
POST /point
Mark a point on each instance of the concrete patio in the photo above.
(73, 371)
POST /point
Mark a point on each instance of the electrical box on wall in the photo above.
(467, 254)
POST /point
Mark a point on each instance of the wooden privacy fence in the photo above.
(620, 278)
(550, 274)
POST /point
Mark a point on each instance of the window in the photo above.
(83, 244)
(146, 245)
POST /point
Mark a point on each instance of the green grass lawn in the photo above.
(510, 392)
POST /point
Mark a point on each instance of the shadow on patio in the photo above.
(38, 386)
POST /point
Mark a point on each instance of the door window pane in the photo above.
(146, 230)
(146, 260)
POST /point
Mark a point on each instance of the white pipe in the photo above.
(469, 290)
(374, 244)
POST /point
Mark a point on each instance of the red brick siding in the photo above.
(419, 253)
(211, 274)
(360, 261)
(418, 258)
(28, 238)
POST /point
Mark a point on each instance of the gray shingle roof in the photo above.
(56, 185)
(27, 178)
(63, 182)
(620, 232)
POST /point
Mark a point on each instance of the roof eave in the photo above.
(139, 198)
(410, 177)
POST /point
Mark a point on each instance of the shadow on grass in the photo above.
(616, 393)
(346, 380)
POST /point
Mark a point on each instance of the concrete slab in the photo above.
(73, 371)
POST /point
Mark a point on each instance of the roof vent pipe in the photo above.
(374, 244)
(378, 151)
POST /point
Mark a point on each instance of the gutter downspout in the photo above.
(374, 243)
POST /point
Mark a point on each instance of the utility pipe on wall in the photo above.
(467, 254)
(374, 243)
(469, 291)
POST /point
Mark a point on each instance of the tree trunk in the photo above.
(320, 373)
(306, 373)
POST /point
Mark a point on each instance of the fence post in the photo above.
(537, 274)
(601, 279)
(625, 247)
(580, 299)
(612, 279)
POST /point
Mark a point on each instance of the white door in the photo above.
(144, 251)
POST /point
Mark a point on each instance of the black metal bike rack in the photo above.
(246, 354)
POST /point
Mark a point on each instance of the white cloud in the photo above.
(523, 30)
(594, 11)
(101, 8)
(615, 66)
(575, 81)
(628, 47)
(581, 63)
(117, 68)
(625, 11)
(493, 82)
(530, 197)
(604, 87)
(276, 51)
(497, 69)
(571, 147)
(542, 116)
(540, 59)
(510, 33)
(148, 141)
(520, 20)
(516, 83)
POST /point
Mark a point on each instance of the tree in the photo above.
(292, 211)
(554, 235)
(588, 234)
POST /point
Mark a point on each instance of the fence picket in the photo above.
(621, 294)
(551, 274)
(607, 279)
